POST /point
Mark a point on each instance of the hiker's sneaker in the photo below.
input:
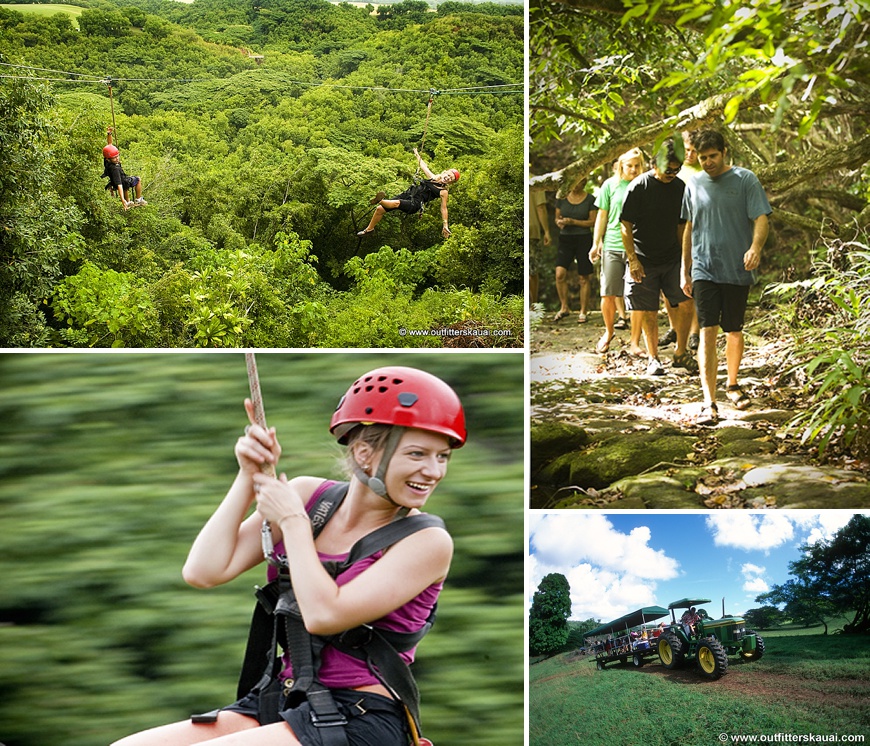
(141, 202)
(668, 339)
(655, 368)
(709, 415)
(377, 198)
(694, 341)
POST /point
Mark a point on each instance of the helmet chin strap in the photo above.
(376, 483)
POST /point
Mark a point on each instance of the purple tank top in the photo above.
(342, 671)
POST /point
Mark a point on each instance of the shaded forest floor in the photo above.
(607, 435)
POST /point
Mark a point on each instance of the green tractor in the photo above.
(708, 641)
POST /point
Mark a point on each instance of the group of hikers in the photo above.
(689, 230)
(411, 201)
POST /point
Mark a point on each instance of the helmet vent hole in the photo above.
(397, 381)
(369, 388)
(383, 389)
(369, 410)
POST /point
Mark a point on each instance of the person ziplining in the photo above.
(118, 180)
(415, 197)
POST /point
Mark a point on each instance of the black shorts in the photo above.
(575, 247)
(408, 202)
(720, 305)
(372, 720)
(658, 278)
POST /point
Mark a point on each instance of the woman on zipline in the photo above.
(118, 180)
(415, 197)
(399, 425)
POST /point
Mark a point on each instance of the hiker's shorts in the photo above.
(575, 247)
(372, 720)
(613, 265)
(720, 305)
(658, 278)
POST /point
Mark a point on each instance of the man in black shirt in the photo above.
(416, 196)
(652, 235)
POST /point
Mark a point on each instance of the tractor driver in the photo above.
(689, 619)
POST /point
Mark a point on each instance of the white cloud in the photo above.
(750, 569)
(756, 585)
(609, 572)
(750, 531)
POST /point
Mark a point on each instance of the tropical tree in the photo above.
(548, 618)
(832, 578)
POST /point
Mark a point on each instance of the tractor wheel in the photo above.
(599, 665)
(712, 658)
(637, 659)
(671, 651)
(759, 647)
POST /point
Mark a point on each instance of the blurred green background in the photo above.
(111, 462)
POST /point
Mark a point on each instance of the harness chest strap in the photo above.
(277, 620)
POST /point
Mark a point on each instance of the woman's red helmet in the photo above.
(110, 151)
(455, 173)
(401, 396)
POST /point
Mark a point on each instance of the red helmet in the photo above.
(110, 151)
(400, 396)
(455, 173)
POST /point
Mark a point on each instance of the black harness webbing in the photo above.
(277, 621)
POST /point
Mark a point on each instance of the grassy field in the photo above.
(47, 10)
(806, 683)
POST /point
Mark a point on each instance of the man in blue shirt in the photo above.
(726, 211)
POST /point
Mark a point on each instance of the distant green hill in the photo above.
(46, 10)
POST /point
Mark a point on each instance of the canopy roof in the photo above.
(634, 619)
(685, 603)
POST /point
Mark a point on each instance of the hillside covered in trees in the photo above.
(261, 130)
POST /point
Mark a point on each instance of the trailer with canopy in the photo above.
(630, 636)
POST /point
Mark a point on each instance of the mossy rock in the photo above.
(552, 439)
(617, 457)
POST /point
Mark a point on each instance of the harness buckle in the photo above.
(327, 721)
(357, 637)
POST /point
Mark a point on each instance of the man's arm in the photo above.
(544, 220)
(687, 259)
(634, 265)
(752, 258)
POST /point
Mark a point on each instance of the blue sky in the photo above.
(617, 562)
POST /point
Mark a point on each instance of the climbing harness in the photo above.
(266, 468)
(277, 621)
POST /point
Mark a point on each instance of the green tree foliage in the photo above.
(764, 617)
(548, 617)
(38, 225)
(236, 153)
(832, 578)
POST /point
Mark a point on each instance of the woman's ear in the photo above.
(362, 453)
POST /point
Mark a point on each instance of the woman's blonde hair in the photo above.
(627, 156)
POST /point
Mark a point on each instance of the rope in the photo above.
(115, 139)
(266, 468)
(432, 94)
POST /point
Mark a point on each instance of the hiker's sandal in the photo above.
(737, 396)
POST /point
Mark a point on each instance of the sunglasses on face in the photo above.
(672, 171)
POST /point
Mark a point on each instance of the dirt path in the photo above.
(607, 435)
